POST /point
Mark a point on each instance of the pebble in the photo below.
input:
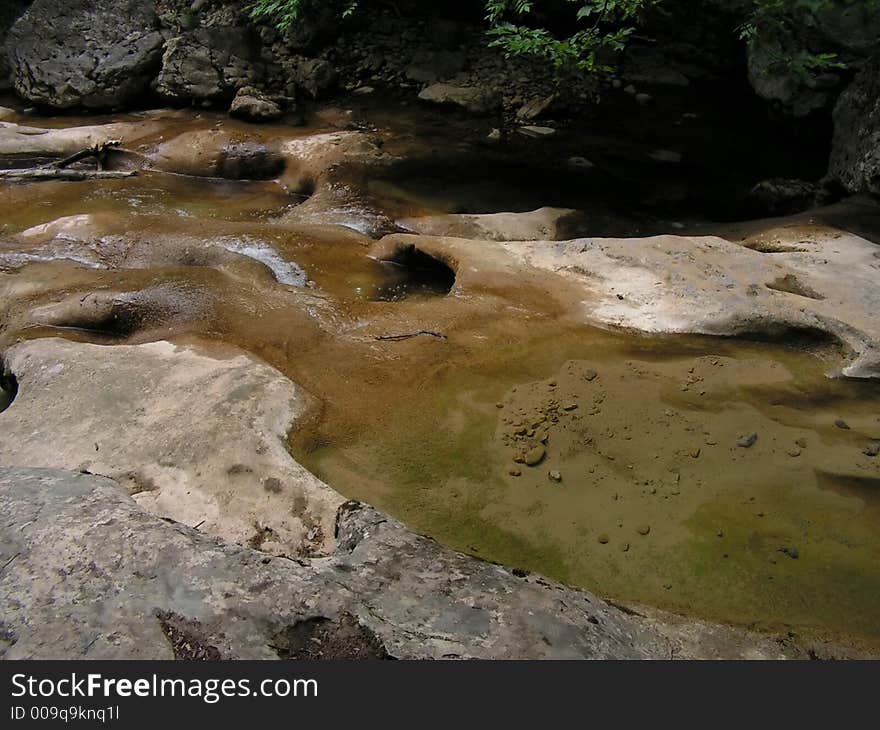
(801, 442)
(792, 552)
(514, 472)
(555, 476)
(794, 453)
(643, 529)
(695, 453)
(872, 449)
(603, 539)
(624, 548)
(590, 375)
(746, 442)
(840, 423)
(535, 456)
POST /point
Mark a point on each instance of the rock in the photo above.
(603, 539)
(10, 11)
(779, 82)
(470, 98)
(872, 450)
(695, 453)
(590, 375)
(782, 196)
(554, 476)
(515, 472)
(643, 530)
(644, 99)
(535, 108)
(315, 75)
(731, 287)
(216, 153)
(746, 442)
(149, 417)
(537, 132)
(537, 225)
(252, 105)
(364, 90)
(581, 162)
(428, 67)
(535, 456)
(85, 53)
(7, 114)
(792, 552)
(210, 64)
(855, 149)
(383, 591)
(494, 136)
(841, 424)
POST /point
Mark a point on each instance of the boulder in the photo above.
(470, 98)
(252, 105)
(210, 64)
(10, 11)
(315, 76)
(781, 196)
(855, 151)
(85, 53)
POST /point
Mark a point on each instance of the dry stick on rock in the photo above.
(396, 338)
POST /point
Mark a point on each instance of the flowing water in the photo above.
(642, 492)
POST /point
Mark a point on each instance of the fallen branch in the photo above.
(51, 173)
(100, 152)
(396, 338)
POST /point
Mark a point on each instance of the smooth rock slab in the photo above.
(195, 438)
(90, 575)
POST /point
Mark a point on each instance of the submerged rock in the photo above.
(473, 99)
(85, 53)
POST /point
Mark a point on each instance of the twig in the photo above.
(51, 173)
(396, 338)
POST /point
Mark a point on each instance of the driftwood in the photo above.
(58, 170)
(51, 173)
(397, 338)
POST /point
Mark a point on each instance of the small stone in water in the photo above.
(603, 539)
(590, 375)
(643, 529)
(695, 453)
(792, 552)
(535, 456)
(872, 449)
(514, 472)
(840, 423)
(746, 442)
(555, 476)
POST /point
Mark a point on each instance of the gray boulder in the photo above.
(10, 11)
(855, 151)
(252, 105)
(315, 76)
(210, 64)
(471, 98)
(85, 53)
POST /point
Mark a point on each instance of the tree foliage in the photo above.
(601, 28)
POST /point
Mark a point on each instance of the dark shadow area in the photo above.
(323, 638)
(411, 272)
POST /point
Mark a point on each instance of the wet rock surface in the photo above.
(89, 575)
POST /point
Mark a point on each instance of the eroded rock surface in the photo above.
(91, 575)
(195, 438)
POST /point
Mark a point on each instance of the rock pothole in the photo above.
(8, 387)
(322, 638)
(409, 272)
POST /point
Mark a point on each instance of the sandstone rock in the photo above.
(542, 224)
(90, 575)
(191, 437)
(855, 153)
(85, 53)
(209, 64)
(252, 105)
(216, 153)
(471, 98)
